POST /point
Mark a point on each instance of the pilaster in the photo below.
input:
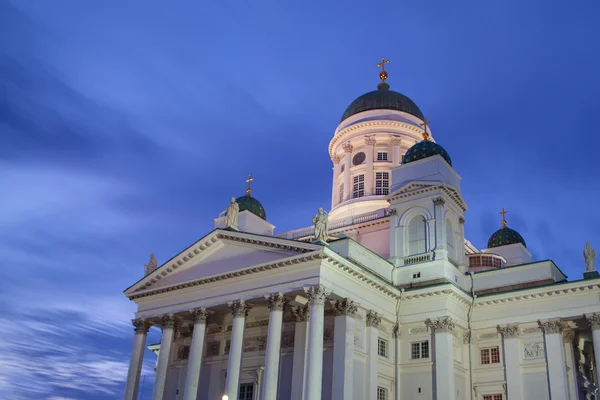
(444, 357)
(373, 321)
(343, 350)
(347, 165)
(440, 228)
(299, 361)
(594, 321)
(369, 173)
(555, 354)
(512, 368)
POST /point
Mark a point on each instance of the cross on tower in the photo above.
(503, 219)
(383, 75)
(424, 125)
(249, 189)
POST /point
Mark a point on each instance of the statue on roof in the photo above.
(321, 222)
(231, 218)
(589, 255)
(152, 265)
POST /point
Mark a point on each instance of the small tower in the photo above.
(509, 244)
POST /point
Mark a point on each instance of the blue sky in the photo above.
(125, 127)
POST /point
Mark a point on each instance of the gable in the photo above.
(421, 187)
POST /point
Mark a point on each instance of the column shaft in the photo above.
(594, 321)
(444, 358)
(373, 321)
(343, 350)
(369, 172)
(335, 193)
(236, 348)
(299, 362)
(396, 160)
(555, 356)
(196, 350)
(397, 355)
(347, 165)
(137, 357)
(271, 374)
(512, 361)
(164, 356)
(568, 336)
(314, 359)
(440, 228)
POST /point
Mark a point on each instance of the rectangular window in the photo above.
(382, 347)
(492, 397)
(381, 393)
(419, 350)
(491, 355)
(382, 183)
(382, 156)
(246, 391)
(341, 192)
(416, 275)
(358, 190)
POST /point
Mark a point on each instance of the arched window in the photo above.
(450, 239)
(416, 236)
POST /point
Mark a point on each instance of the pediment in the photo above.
(415, 188)
(219, 252)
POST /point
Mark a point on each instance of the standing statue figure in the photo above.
(589, 256)
(231, 219)
(152, 265)
(321, 221)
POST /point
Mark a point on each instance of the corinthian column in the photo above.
(440, 228)
(335, 193)
(299, 362)
(369, 173)
(555, 354)
(512, 368)
(271, 373)
(343, 350)
(168, 323)
(373, 321)
(347, 165)
(594, 321)
(395, 143)
(196, 349)
(239, 309)
(314, 360)
(444, 357)
(137, 356)
(568, 336)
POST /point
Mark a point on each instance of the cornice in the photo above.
(526, 294)
(414, 189)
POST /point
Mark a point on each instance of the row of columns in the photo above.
(308, 349)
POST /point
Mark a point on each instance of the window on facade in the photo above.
(416, 236)
(246, 391)
(416, 275)
(492, 397)
(491, 355)
(358, 190)
(382, 156)
(381, 393)
(341, 192)
(382, 183)
(419, 350)
(382, 347)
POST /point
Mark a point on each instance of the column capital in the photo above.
(168, 321)
(347, 147)
(509, 331)
(461, 220)
(336, 159)
(239, 308)
(594, 321)
(199, 314)
(443, 324)
(373, 319)
(550, 326)
(345, 307)
(568, 335)
(396, 331)
(276, 301)
(395, 141)
(301, 313)
(466, 337)
(438, 201)
(142, 325)
(370, 141)
(317, 293)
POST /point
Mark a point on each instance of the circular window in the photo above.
(359, 158)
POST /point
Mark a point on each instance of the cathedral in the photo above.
(380, 298)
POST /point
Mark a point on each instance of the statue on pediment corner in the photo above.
(589, 255)
(231, 218)
(321, 222)
(152, 265)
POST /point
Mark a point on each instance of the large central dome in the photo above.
(383, 99)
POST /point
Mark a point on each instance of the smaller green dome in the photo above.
(249, 203)
(424, 149)
(504, 236)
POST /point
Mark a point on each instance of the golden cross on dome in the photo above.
(424, 125)
(383, 75)
(503, 219)
(249, 189)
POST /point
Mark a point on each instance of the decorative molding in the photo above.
(438, 201)
(276, 301)
(416, 331)
(213, 348)
(414, 189)
(287, 339)
(568, 335)
(317, 294)
(489, 335)
(535, 329)
(301, 313)
(239, 308)
(391, 211)
(529, 294)
(396, 331)
(370, 141)
(509, 331)
(345, 307)
(552, 326)
(347, 147)
(461, 220)
(467, 337)
(533, 350)
(199, 314)
(594, 320)
(358, 339)
(328, 334)
(168, 321)
(141, 325)
(395, 142)
(373, 319)
(336, 159)
(256, 324)
(443, 324)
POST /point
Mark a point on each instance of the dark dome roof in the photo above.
(383, 99)
(424, 149)
(251, 204)
(504, 236)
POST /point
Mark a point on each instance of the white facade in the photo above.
(398, 305)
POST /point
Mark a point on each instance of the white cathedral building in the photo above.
(382, 298)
